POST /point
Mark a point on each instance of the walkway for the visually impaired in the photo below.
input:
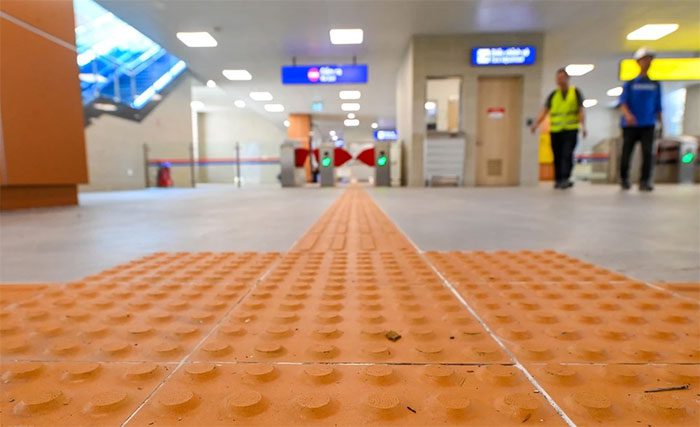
(353, 326)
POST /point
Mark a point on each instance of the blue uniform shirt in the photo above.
(643, 98)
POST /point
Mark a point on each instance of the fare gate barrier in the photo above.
(382, 164)
(326, 156)
(292, 159)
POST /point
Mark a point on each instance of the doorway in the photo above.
(498, 132)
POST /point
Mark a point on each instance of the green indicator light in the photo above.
(381, 161)
(326, 162)
(688, 157)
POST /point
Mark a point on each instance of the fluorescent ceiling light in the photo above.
(349, 94)
(616, 91)
(350, 106)
(274, 108)
(197, 39)
(211, 83)
(286, 123)
(92, 78)
(196, 105)
(588, 103)
(261, 96)
(239, 75)
(375, 125)
(239, 103)
(351, 115)
(579, 69)
(351, 122)
(346, 36)
(430, 105)
(652, 31)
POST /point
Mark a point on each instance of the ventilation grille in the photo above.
(494, 167)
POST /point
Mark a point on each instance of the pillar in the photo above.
(42, 144)
(300, 130)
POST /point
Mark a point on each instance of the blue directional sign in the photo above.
(386, 135)
(324, 74)
(503, 56)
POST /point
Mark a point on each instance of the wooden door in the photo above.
(498, 133)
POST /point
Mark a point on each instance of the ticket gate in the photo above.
(292, 160)
(326, 165)
(382, 164)
(687, 159)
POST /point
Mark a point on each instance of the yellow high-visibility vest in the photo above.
(563, 113)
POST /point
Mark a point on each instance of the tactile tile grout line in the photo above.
(494, 336)
(197, 346)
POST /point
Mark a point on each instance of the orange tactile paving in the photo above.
(624, 395)
(156, 308)
(340, 306)
(75, 394)
(206, 394)
(353, 326)
(353, 223)
(570, 311)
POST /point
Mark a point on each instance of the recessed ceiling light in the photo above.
(349, 94)
(430, 105)
(239, 75)
(274, 108)
(239, 103)
(579, 69)
(286, 123)
(375, 125)
(104, 106)
(334, 137)
(616, 91)
(652, 31)
(350, 106)
(196, 105)
(351, 115)
(346, 36)
(261, 96)
(211, 83)
(588, 103)
(197, 39)
(332, 133)
(351, 122)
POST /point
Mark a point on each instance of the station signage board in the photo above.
(503, 56)
(386, 135)
(324, 74)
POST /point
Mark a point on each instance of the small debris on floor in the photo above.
(393, 336)
(672, 388)
(411, 409)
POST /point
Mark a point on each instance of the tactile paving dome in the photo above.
(352, 326)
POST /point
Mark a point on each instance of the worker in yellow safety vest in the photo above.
(566, 116)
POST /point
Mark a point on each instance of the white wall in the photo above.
(448, 56)
(115, 145)
(691, 118)
(221, 128)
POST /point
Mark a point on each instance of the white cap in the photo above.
(642, 52)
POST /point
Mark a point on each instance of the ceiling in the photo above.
(262, 35)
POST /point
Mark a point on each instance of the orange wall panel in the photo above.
(299, 130)
(52, 16)
(41, 109)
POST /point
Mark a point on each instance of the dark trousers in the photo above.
(630, 136)
(563, 145)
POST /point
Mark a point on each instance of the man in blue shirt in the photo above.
(640, 104)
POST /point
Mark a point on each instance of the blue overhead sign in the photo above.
(324, 74)
(503, 55)
(386, 135)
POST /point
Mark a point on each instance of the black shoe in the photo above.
(646, 187)
(558, 185)
(625, 185)
(567, 184)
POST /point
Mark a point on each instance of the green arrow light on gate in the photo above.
(688, 157)
(326, 162)
(381, 161)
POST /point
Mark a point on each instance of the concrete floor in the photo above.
(648, 236)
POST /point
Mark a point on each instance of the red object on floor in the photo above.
(164, 179)
(367, 157)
